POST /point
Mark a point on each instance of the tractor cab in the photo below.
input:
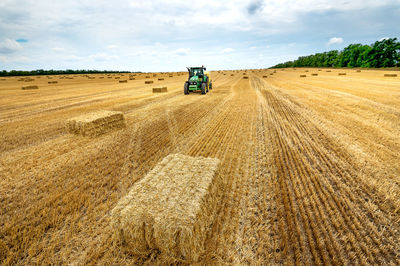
(198, 80)
(196, 71)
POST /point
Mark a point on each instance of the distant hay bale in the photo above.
(306, 71)
(358, 70)
(132, 78)
(328, 71)
(117, 77)
(170, 76)
(160, 78)
(171, 210)
(96, 123)
(101, 77)
(245, 77)
(123, 81)
(265, 76)
(162, 89)
(390, 75)
(303, 76)
(148, 82)
(314, 74)
(28, 79)
(147, 77)
(52, 82)
(342, 74)
(32, 87)
(232, 75)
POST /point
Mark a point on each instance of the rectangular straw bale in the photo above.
(160, 78)
(342, 74)
(148, 82)
(163, 89)
(390, 75)
(303, 76)
(328, 71)
(29, 79)
(123, 81)
(52, 82)
(171, 209)
(265, 76)
(132, 78)
(117, 77)
(32, 87)
(245, 77)
(358, 70)
(96, 123)
(314, 74)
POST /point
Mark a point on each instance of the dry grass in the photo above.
(95, 124)
(310, 167)
(171, 209)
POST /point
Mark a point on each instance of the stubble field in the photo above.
(312, 164)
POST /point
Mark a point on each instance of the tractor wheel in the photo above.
(186, 88)
(203, 88)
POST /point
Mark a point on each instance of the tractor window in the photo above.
(196, 72)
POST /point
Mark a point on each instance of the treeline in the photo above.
(384, 53)
(5, 73)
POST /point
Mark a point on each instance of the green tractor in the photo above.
(199, 80)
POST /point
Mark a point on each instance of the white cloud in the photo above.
(103, 57)
(9, 46)
(384, 38)
(112, 46)
(182, 51)
(253, 47)
(58, 49)
(335, 40)
(227, 50)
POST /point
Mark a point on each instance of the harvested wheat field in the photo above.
(296, 170)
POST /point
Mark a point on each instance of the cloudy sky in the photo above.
(155, 35)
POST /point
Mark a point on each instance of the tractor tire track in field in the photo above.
(319, 197)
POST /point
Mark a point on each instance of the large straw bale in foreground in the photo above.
(171, 209)
(95, 124)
